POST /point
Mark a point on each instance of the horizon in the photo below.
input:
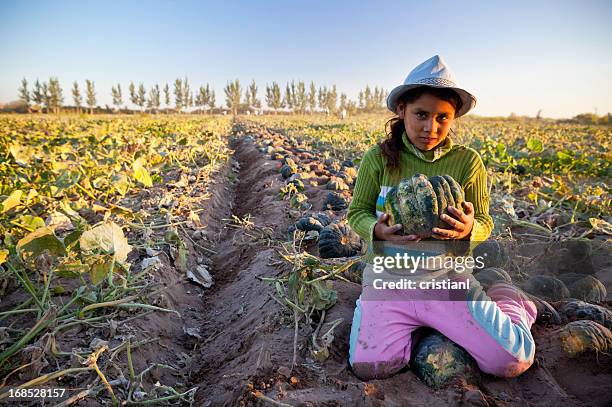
(352, 46)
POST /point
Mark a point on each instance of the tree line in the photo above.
(296, 97)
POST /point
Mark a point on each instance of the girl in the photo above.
(493, 327)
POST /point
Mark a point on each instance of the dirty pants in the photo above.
(493, 327)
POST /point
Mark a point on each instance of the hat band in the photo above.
(436, 82)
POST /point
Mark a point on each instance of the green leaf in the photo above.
(564, 157)
(141, 174)
(535, 145)
(70, 269)
(21, 154)
(13, 200)
(100, 269)
(323, 297)
(121, 184)
(108, 238)
(38, 241)
(29, 222)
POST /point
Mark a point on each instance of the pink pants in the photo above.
(493, 327)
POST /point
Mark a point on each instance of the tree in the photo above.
(154, 98)
(203, 97)
(117, 97)
(37, 94)
(331, 100)
(288, 97)
(233, 94)
(301, 100)
(24, 94)
(46, 97)
(312, 97)
(343, 101)
(187, 96)
(91, 95)
(273, 97)
(141, 97)
(133, 95)
(251, 95)
(211, 98)
(77, 98)
(179, 100)
(323, 97)
(166, 95)
(55, 95)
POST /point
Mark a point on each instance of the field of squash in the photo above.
(194, 260)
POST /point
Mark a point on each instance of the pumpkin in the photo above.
(491, 253)
(315, 222)
(335, 202)
(574, 256)
(583, 336)
(436, 359)
(418, 202)
(489, 276)
(574, 310)
(546, 287)
(336, 183)
(288, 170)
(338, 240)
(297, 183)
(588, 288)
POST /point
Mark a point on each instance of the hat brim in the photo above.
(469, 100)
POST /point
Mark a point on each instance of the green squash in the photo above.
(417, 203)
(489, 276)
(491, 253)
(588, 288)
(335, 202)
(546, 287)
(573, 310)
(436, 359)
(338, 240)
(585, 336)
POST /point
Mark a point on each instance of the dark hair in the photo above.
(391, 146)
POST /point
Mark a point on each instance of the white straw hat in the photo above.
(434, 73)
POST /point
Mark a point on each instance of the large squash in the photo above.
(338, 240)
(418, 203)
(436, 359)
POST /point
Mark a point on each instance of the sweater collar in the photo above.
(429, 156)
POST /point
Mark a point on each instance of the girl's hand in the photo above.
(384, 232)
(461, 223)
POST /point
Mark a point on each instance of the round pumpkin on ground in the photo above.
(583, 336)
(336, 184)
(574, 310)
(335, 202)
(546, 287)
(436, 359)
(588, 288)
(492, 254)
(288, 170)
(338, 240)
(489, 276)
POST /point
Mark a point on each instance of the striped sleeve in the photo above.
(477, 192)
(362, 210)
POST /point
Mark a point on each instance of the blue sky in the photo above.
(517, 56)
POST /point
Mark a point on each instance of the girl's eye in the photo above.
(421, 115)
(442, 118)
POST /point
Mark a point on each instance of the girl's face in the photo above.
(427, 120)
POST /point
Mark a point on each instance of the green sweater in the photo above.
(374, 181)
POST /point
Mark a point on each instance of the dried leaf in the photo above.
(107, 237)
